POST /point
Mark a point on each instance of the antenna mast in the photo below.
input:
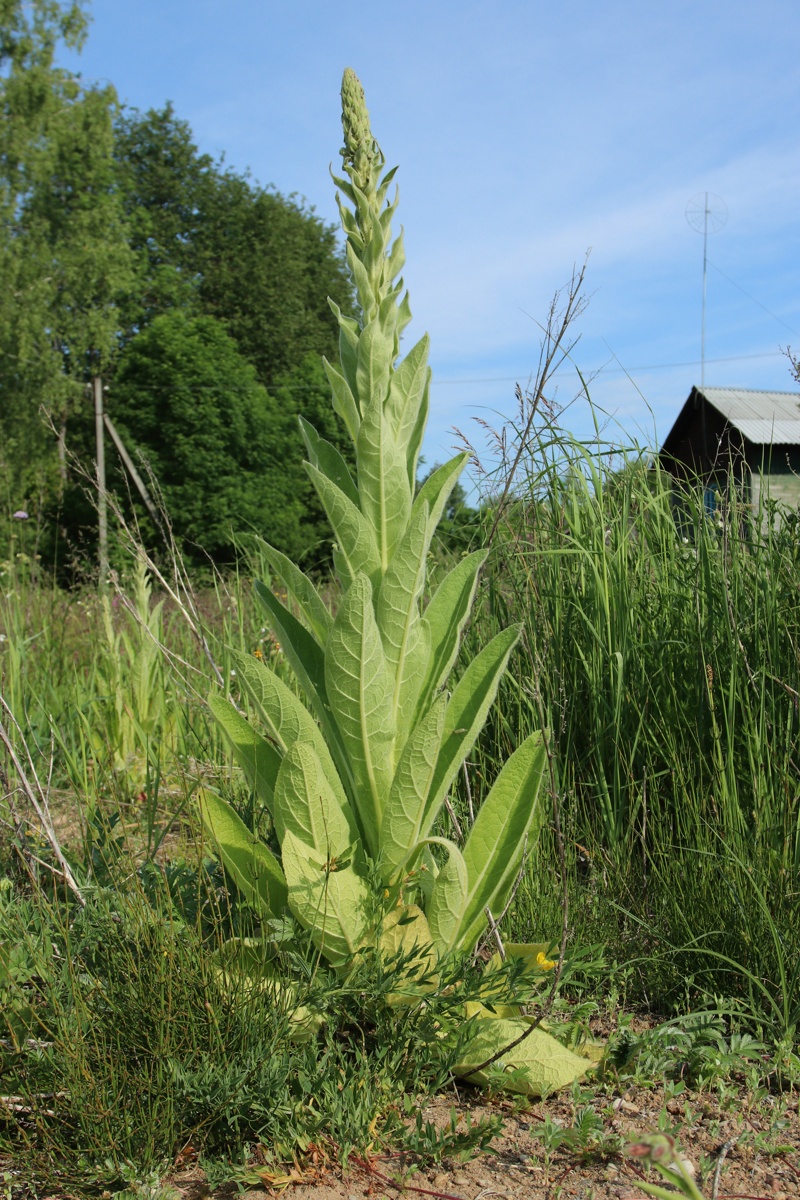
(706, 213)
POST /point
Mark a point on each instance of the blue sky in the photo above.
(526, 133)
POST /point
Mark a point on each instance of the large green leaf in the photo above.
(327, 459)
(414, 666)
(334, 904)
(540, 1064)
(447, 900)
(356, 548)
(304, 653)
(288, 720)
(398, 610)
(446, 615)
(469, 704)
(257, 757)
(306, 803)
(343, 401)
(407, 817)
(510, 814)
(374, 362)
(365, 289)
(359, 687)
(348, 357)
(406, 390)
(397, 258)
(435, 491)
(299, 645)
(382, 482)
(417, 434)
(312, 607)
(249, 862)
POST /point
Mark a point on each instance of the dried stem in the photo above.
(37, 799)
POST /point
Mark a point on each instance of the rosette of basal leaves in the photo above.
(355, 778)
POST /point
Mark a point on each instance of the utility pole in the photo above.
(100, 460)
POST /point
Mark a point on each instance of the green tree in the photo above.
(64, 256)
(110, 220)
(191, 404)
(215, 242)
(165, 184)
(267, 267)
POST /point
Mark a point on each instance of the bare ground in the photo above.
(738, 1145)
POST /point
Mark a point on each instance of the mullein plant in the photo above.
(355, 778)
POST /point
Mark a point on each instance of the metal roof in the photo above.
(764, 418)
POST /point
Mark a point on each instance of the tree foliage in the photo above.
(119, 240)
(213, 241)
(187, 399)
(64, 256)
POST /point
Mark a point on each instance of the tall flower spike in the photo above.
(359, 144)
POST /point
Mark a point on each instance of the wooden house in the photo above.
(736, 433)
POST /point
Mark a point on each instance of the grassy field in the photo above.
(660, 651)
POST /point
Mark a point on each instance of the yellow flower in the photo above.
(258, 652)
(545, 963)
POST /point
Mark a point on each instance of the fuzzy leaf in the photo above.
(541, 1065)
(382, 482)
(251, 864)
(326, 458)
(344, 404)
(257, 757)
(287, 718)
(446, 615)
(407, 817)
(469, 704)
(414, 668)
(302, 649)
(332, 904)
(398, 602)
(305, 655)
(417, 434)
(348, 357)
(403, 314)
(364, 288)
(510, 813)
(406, 390)
(448, 898)
(359, 687)
(437, 487)
(312, 607)
(374, 365)
(357, 544)
(305, 802)
(396, 260)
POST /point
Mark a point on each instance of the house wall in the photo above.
(775, 473)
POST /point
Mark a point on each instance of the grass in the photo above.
(659, 648)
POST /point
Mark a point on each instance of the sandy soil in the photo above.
(738, 1147)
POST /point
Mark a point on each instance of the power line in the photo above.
(738, 286)
(623, 370)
